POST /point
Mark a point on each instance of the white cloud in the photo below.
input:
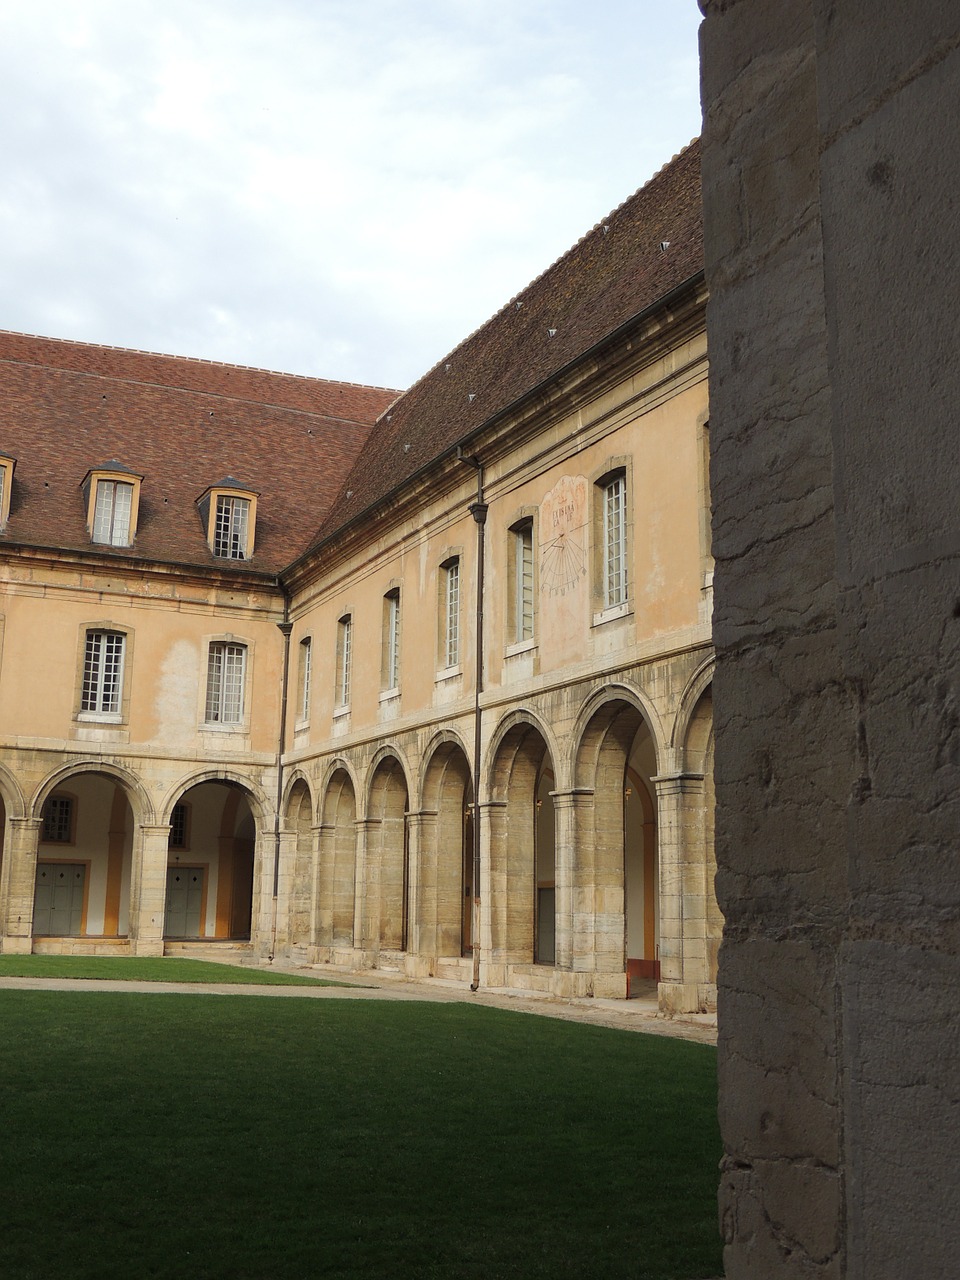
(344, 189)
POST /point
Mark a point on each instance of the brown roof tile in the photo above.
(615, 272)
(181, 424)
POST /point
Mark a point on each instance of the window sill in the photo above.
(612, 614)
(99, 717)
(217, 726)
(449, 673)
(390, 695)
(342, 713)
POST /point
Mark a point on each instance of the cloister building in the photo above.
(345, 676)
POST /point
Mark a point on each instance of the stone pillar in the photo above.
(148, 890)
(493, 893)
(20, 875)
(422, 921)
(564, 814)
(684, 980)
(316, 837)
(285, 897)
(323, 909)
(830, 206)
(366, 928)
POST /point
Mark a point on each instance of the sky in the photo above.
(341, 188)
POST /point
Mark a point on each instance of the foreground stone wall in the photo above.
(830, 181)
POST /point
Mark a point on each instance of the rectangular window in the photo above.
(615, 541)
(344, 656)
(58, 820)
(226, 664)
(522, 575)
(230, 527)
(102, 672)
(450, 650)
(111, 515)
(391, 640)
(303, 680)
(178, 827)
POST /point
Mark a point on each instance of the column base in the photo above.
(13, 945)
(687, 997)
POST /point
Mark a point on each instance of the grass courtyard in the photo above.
(208, 1136)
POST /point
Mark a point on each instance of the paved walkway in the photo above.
(625, 1015)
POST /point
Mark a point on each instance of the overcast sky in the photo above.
(344, 188)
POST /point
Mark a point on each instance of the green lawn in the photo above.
(202, 1136)
(140, 969)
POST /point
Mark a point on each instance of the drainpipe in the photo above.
(285, 627)
(478, 510)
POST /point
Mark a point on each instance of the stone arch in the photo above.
(298, 820)
(616, 871)
(137, 795)
(88, 836)
(11, 794)
(387, 854)
(260, 805)
(387, 753)
(446, 872)
(443, 737)
(521, 822)
(294, 777)
(212, 864)
(614, 695)
(335, 901)
(12, 807)
(698, 817)
(696, 686)
(524, 718)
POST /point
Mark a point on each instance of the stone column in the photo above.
(422, 947)
(316, 834)
(323, 910)
(20, 875)
(148, 890)
(683, 919)
(366, 927)
(493, 893)
(285, 892)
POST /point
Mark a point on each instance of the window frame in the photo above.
(209, 507)
(521, 583)
(96, 481)
(184, 808)
(390, 645)
(608, 535)
(70, 800)
(222, 645)
(8, 466)
(304, 674)
(96, 714)
(344, 663)
(449, 613)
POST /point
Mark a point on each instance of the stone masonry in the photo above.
(830, 185)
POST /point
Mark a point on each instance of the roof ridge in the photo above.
(202, 360)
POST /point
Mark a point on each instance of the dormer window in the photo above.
(229, 515)
(230, 527)
(7, 466)
(112, 496)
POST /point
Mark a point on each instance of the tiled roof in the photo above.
(181, 424)
(646, 248)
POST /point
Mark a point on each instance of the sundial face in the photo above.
(563, 530)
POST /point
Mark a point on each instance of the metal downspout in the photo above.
(285, 627)
(478, 510)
